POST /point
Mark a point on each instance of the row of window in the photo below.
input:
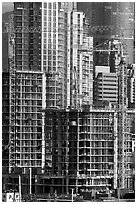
(99, 122)
(100, 88)
(49, 12)
(95, 129)
(95, 151)
(95, 159)
(99, 166)
(50, 5)
(28, 89)
(27, 130)
(97, 143)
(115, 84)
(110, 80)
(26, 162)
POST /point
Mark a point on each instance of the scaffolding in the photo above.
(96, 145)
(80, 148)
(12, 128)
(29, 118)
(26, 149)
(99, 150)
(116, 47)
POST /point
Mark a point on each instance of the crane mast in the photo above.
(122, 121)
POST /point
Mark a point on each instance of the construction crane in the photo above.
(108, 46)
(102, 47)
(108, 43)
(122, 120)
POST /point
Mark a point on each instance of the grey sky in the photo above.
(7, 6)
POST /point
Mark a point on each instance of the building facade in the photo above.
(106, 88)
(80, 64)
(25, 88)
(5, 98)
(54, 54)
(81, 149)
(129, 149)
(47, 70)
(131, 85)
(51, 80)
(64, 32)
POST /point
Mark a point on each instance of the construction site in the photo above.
(81, 153)
(56, 141)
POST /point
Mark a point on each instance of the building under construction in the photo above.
(79, 150)
(35, 84)
(82, 150)
(69, 134)
(25, 132)
(79, 147)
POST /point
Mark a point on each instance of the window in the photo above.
(19, 35)
(49, 13)
(54, 41)
(54, 63)
(54, 46)
(19, 41)
(54, 19)
(49, 5)
(54, 57)
(45, 5)
(54, 5)
(19, 12)
(49, 35)
(49, 19)
(45, 19)
(54, 13)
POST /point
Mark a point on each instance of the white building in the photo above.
(80, 64)
(68, 71)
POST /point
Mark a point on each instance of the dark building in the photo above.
(5, 66)
(5, 121)
(27, 24)
(5, 98)
(106, 88)
(112, 20)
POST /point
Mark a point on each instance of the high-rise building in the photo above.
(5, 67)
(54, 54)
(26, 87)
(64, 32)
(80, 64)
(51, 79)
(5, 100)
(106, 88)
(112, 20)
(47, 70)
